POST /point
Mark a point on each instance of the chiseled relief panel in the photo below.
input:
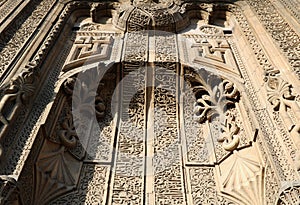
(223, 164)
(286, 109)
(74, 154)
(128, 174)
(92, 186)
(167, 161)
(158, 137)
(231, 161)
(198, 147)
(72, 166)
(152, 105)
(127, 185)
(94, 43)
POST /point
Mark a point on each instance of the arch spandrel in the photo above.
(170, 122)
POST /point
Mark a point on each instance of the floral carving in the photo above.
(279, 92)
(67, 134)
(214, 96)
(18, 91)
(243, 180)
(210, 30)
(284, 102)
(90, 27)
(289, 196)
(210, 105)
(85, 100)
(281, 98)
(54, 176)
(229, 137)
(22, 87)
(69, 85)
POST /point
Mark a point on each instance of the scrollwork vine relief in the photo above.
(19, 91)
(214, 98)
(86, 96)
(14, 95)
(284, 102)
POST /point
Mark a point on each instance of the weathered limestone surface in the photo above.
(150, 102)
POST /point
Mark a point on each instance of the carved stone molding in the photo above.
(214, 99)
(136, 47)
(262, 114)
(203, 184)
(272, 185)
(151, 15)
(29, 79)
(8, 190)
(136, 170)
(7, 7)
(281, 98)
(242, 179)
(281, 32)
(93, 187)
(291, 5)
(286, 107)
(259, 53)
(18, 91)
(214, 51)
(53, 176)
(289, 196)
(16, 95)
(26, 26)
(210, 30)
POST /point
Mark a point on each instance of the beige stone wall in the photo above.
(149, 102)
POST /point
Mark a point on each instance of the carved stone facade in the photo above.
(150, 102)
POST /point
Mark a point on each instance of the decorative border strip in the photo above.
(293, 7)
(27, 28)
(33, 67)
(281, 32)
(285, 171)
(7, 7)
(256, 47)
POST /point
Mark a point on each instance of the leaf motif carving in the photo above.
(243, 180)
(53, 176)
(18, 91)
(214, 96)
